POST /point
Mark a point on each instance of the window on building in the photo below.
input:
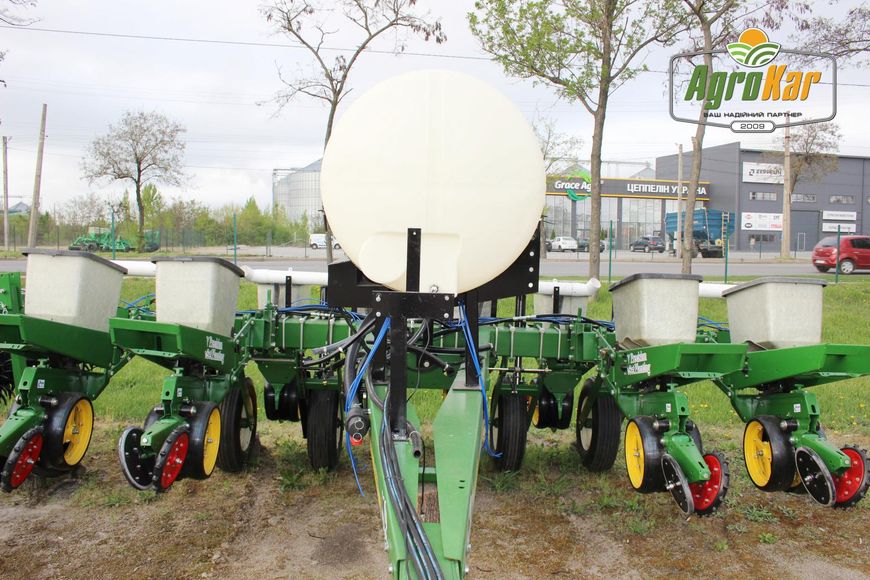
(843, 199)
(803, 198)
(762, 195)
(760, 238)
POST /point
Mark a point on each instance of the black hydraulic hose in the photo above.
(415, 535)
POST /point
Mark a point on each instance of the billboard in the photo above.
(761, 222)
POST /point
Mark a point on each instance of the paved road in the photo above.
(557, 268)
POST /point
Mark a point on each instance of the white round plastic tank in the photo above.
(444, 152)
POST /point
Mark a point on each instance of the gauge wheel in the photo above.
(852, 486)
(566, 409)
(599, 423)
(68, 431)
(677, 484)
(239, 421)
(21, 461)
(204, 441)
(171, 458)
(709, 495)
(816, 476)
(544, 414)
(137, 469)
(510, 430)
(288, 403)
(643, 455)
(324, 429)
(768, 455)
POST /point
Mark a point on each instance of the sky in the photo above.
(222, 94)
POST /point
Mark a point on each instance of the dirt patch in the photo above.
(552, 519)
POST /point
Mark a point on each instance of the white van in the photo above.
(318, 242)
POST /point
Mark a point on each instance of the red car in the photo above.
(854, 254)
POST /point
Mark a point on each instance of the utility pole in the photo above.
(784, 248)
(5, 198)
(34, 208)
(678, 234)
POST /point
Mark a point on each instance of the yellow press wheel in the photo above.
(643, 455)
(205, 439)
(68, 430)
(768, 455)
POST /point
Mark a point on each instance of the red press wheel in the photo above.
(853, 484)
(23, 458)
(709, 495)
(171, 459)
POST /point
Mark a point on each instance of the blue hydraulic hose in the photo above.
(352, 396)
(472, 350)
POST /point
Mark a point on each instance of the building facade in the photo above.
(630, 207)
(296, 192)
(749, 182)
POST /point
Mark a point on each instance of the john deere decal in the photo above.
(754, 86)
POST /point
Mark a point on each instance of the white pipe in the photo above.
(589, 288)
(300, 278)
(712, 289)
(138, 267)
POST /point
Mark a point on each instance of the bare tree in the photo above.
(847, 39)
(585, 50)
(142, 148)
(10, 14)
(311, 23)
(812, 152)
(560, 149)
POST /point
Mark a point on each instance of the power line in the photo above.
(237, 42)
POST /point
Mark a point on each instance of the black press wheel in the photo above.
(768, 455)
(239, 427)
(269, 402)
(643, 455)
(205, 441)
(599, 422)
(566, 410)
(288, 403)
(545, 415)
(324, 429)
(510, 429)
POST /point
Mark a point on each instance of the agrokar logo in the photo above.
(767, 88)
(753, 48)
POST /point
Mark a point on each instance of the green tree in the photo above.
(585, 50)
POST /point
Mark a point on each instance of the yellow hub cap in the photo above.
(212, 441)
(77, 432)
(634, 454)
(757, 453)
(535, 416)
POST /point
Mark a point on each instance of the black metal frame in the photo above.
(348, 287)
